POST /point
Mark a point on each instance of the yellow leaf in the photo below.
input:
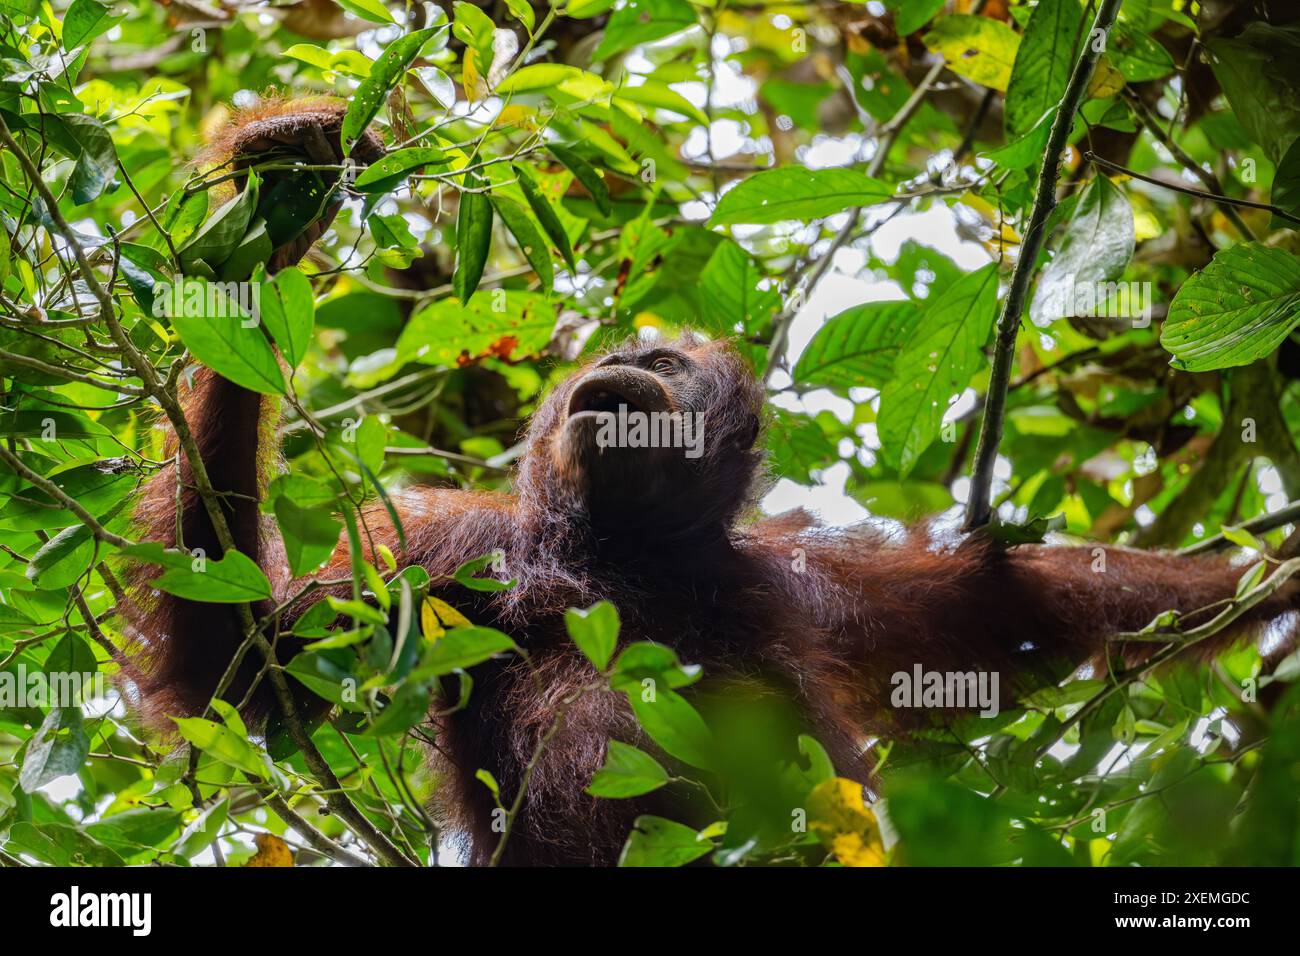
(436, 615)
(471, 78)
(845, 825)
(525, 117)
(271, 851)
(1106, 80)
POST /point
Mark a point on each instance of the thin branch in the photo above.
(1211, 181)
(978, 510)
(317, 840)
(1189, 191)
(57, 493)
(886, 136)
(1260, 525)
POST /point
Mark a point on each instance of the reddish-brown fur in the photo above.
(722, 590)
(688, 568)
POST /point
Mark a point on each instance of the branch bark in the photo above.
(978, 510)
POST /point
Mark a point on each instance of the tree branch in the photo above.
(978, 510)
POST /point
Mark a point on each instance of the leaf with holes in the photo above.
(451, 334)
(384, 75)
(1237, 309)
(977, 48)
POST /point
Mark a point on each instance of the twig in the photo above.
(1264, 523)
(57, 493)
(978, 510)
(1189, 191)
(317, 840)
(1210, 180)
(885, 139)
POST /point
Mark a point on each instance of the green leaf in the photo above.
(935, 365)
(552, 78)
(1138, 56)
(203, 830)
(58, 748)
(655, 841)
(546, 215)
(1237, 309)
(733, 292)
(390, 172)
(232, 579)
(794, 192)
(184, 214)
(798, 446)
(524, 228)
(858, 347)
(977, 48)
(1028, 149)
(61, 845)
(63, 559)
(1097, 247)
(673, 724)
(662, 96)
(459, 648)
(475, 29)
(97, 163)
(1259, 71)
(473, 238)
(85, 20)
(327, 674)
(645, 661)
(628, 772)
(372, 10)
(595, 631)
(643, 21)
(310, 534)
(911, 15)
(1075, 692)
(94, 487)
(12, 619)
(586, 174)
(522, 11)
(229, 344)
(448, 333)
(467, 575)
(1043, 63)
(212, 244)
(1285, 193)
(224, 745)
(384, 75)
(288, 308)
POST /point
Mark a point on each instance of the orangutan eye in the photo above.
(663, 366)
